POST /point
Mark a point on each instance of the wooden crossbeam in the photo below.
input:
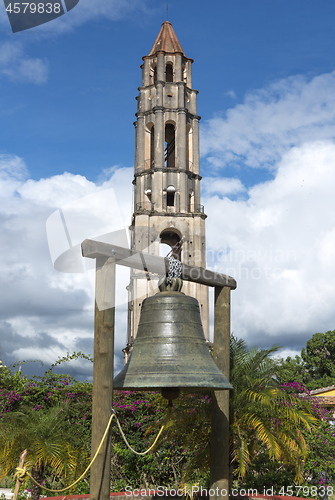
(153, 264)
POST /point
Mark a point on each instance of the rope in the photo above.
(132, 449)
(21, 473)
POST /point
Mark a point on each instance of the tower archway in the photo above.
(168, 239)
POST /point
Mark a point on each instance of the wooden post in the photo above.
(219, 478)
(102, 373)
(18, 483)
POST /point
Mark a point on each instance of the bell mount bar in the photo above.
(151, 263)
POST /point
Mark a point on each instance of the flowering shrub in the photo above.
(300, 390)
(320, 465)
(136, 411)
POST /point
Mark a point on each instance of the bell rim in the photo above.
(183, 388)
(212, 382)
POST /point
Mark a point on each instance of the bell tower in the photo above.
(167, 205)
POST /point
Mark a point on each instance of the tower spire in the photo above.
(166, 41)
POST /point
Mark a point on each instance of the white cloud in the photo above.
(17, 66)
(222, 186)
(280, 246)
(44, 313)
(279, 240)
(12, 166)
(230, 93)
(12, 171)
(270, 121)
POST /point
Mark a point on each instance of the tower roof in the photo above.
(166, 41)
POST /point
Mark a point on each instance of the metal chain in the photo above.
(175, 268)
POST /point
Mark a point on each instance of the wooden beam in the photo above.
(102, 375)
(153, 264)
(219, 477)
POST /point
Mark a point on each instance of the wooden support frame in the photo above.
(219, 477)
(107, 256)
(103, 368)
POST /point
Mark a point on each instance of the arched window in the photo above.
(152, 147)
(191, 201)
(170, 157)
(189, 147)
(147, 193)
(149, 145)
(153, 74)
(169, 72)
(170, 193)
(185, 74)
(147, 201)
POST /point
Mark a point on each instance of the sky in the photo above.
(265, 71)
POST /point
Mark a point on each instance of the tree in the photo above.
(267, 422)
(319, 356)
(315, 368)
(185, 443)
(51, 417)
(263, 416)
(293, 370)
(318, 468)
(51, 441)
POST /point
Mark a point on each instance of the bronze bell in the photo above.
(170, 351)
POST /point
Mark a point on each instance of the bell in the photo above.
(170, 352)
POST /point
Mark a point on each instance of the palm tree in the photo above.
(50, 440)
(262, 414)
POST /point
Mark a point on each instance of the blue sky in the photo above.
(78, 115)
(264, 71)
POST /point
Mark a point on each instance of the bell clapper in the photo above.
(170, 393)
